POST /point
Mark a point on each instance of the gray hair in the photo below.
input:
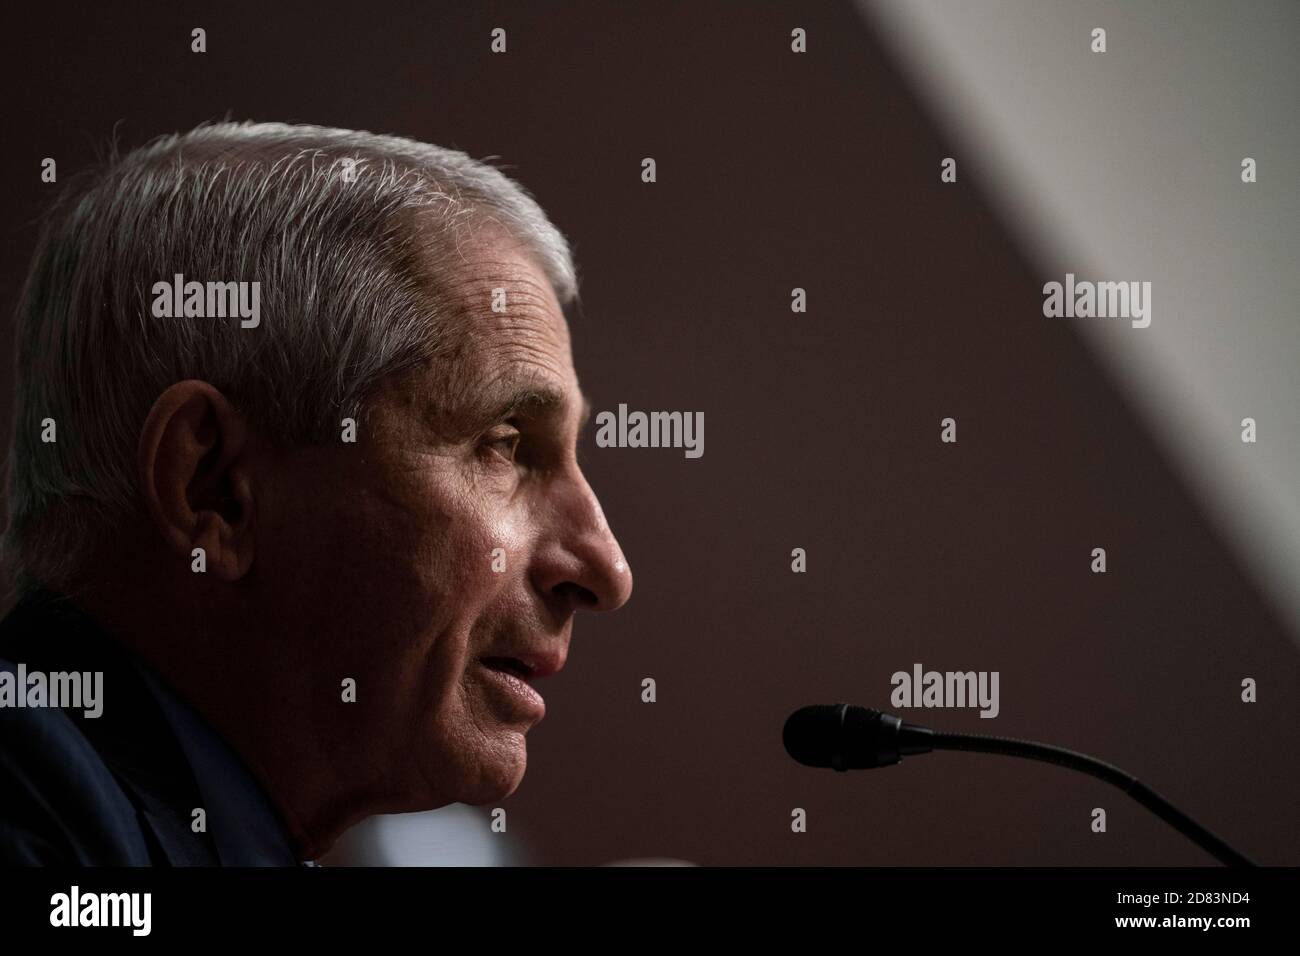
(347, 232)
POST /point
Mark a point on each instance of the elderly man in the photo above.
(319, 554)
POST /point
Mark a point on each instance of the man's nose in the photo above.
(581, 562)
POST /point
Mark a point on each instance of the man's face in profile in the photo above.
(439, 560)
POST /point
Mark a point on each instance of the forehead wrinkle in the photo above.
(471, 287)
(530, 331)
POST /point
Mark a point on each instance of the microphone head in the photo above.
(842, 737)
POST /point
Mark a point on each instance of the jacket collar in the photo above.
(167, 759)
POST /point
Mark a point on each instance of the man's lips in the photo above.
(510, 675)
(526, 665)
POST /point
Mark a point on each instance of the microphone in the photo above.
(845, 737)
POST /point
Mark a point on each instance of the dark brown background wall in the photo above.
(822, 430)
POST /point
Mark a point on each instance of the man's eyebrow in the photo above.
(534, 399)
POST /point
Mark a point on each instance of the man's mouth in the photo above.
(510, 678)
(529, 663)
(510, 665)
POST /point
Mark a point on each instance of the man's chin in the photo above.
(500, 771)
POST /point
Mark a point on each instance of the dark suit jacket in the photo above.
(119, 789)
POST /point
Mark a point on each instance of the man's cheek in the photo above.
(505, 548)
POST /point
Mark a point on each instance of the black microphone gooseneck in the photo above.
(845, 737)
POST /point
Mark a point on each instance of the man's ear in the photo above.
(195, 477)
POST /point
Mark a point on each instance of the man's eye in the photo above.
(505, 444)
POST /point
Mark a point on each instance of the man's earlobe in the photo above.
(196, 481)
